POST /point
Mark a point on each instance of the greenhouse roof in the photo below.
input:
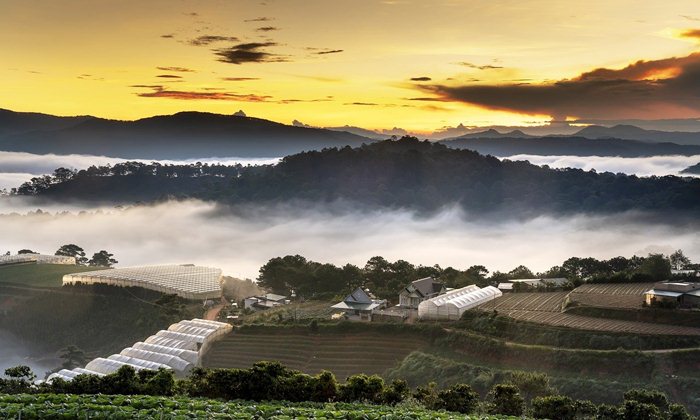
(188, 281)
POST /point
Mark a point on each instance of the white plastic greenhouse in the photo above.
(453, 304)
(187, 281)
(171, 349)
(36, 258)
(177, 364)
(172, 342)
(187, 355)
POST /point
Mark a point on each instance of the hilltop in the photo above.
(185, 135)
(390, 174)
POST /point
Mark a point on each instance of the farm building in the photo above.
(180, 354)
(188, 281)
(681, 293)
(359, 305)
(36, 259)
(267, 301)
(515, 284)
(419, 290)
(454, 303)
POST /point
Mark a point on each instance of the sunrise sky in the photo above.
(418, 65)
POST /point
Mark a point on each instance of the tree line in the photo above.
(271, 381)
(406, 173)
(311, 279)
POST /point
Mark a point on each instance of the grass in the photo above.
(39, 275)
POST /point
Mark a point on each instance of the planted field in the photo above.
(600, 324)
(546, 302)
(626, 295)
(25, 406)
(344, 354)
(39, 275)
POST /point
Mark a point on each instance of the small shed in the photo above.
(359, 305)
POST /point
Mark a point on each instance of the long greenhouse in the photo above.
(187, 281)
(453, 304)
(159, 351)
(36, 259)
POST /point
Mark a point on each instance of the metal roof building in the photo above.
(453, 304)
(187, 281)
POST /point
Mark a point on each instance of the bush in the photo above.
(635, 410)
(460, 398)
(655, 398)
(506, 399)
(553, 407)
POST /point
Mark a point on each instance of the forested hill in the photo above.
(185, 135)
(405, 173)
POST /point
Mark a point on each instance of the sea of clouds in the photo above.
(19, 167)
(241, 240)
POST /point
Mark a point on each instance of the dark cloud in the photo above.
(324, 52)
(426, 99)
(268, 28)
(421, 79)
(260, 19)
(693, 18)
(172, 68)
(210, 39)
(239, 79)
(362, 103)
(168, 36)
(251, 52)
(666, 88)
(691, 33)
(163, 92)
(475, 66)
(169, 76)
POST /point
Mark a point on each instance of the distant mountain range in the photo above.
(695, 169)
(185, 135)
(573, 146)
(191, 135)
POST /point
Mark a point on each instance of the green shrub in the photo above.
(506, 399)
(554, 407)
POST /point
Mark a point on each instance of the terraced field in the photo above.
(622, 296)
(547, 302)
(560, 319)
(547, 308)
(343, 354)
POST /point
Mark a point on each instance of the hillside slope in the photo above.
(185, 135)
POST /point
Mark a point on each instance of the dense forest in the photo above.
(406, 173)
(311, 279)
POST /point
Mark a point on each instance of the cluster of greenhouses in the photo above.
(454, 303)
(186, 280)
(36, 258)
(179, 348)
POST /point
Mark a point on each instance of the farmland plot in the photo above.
(610, 295)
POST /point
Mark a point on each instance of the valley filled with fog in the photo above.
(240, 240)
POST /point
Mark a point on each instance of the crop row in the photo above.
(147, 407)
(601, 324)
(547, 302)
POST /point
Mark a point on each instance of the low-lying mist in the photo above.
(19, 167)
(241, 240)
(13, 353)
(642, 166)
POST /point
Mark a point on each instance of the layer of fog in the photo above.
(643, 166)
(13, 353)
(19, 167)
(241, 241)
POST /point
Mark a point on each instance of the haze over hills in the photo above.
(631, 132)
(570, 146)
(407, 173)
(185, 135)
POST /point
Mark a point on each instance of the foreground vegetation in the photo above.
(271, 381)
(148, 407)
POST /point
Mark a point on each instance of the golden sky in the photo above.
(337, 62)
